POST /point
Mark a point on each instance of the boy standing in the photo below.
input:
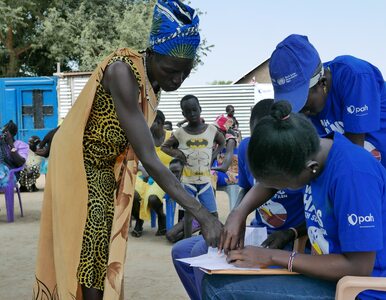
(194, 144)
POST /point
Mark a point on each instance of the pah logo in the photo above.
(357, 110)
(354, 219)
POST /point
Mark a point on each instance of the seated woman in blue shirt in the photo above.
(282, 215)
(345, 209)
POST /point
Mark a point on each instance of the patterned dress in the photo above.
(103, 141)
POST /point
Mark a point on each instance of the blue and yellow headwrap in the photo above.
(174, 31)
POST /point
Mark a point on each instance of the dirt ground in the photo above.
(149, 272)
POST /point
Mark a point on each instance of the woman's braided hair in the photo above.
(281, 143)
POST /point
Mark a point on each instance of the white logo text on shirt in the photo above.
(358, 110)
(362, 221)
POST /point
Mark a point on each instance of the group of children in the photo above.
(197, 145)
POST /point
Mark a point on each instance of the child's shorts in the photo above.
(203, 193)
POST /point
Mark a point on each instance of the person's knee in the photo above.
(154, 202)
(179, 250)
(183, 248)
(199, 248)
(176, 232)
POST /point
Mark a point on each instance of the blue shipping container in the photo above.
(31, 102)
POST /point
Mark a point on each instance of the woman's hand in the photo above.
(251, 257)
(211, 228)
(279, 239)
(233, 232)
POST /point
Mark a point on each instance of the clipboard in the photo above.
(273, 271)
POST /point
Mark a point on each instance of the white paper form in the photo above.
(255, 236)
(215, 261)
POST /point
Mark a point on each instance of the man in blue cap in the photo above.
(347, 94)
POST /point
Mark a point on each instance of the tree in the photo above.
(37, 34)
(18, 23)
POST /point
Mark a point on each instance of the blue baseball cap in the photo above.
(292, 66)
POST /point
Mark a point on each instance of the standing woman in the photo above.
(345, 212)
(93, 163)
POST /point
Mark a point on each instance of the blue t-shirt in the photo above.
(246, 179)
(356, 103)
(282, 211)
(345, 207)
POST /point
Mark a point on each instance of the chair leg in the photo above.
(9, 194)
(21, 206)
(153, 218)
(170, 207)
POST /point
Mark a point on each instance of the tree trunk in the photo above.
(12, 69)
(12, 63)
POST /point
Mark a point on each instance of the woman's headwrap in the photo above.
(174, 31)
(11, 127)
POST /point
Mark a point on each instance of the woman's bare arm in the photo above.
(120, 82)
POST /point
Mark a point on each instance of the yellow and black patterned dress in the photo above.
(104, 140)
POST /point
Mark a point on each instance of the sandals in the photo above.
(160, 232)
(161, 225)
(136, 233)
(138, 229)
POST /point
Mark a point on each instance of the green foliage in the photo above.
(82, 36)
(36, 34)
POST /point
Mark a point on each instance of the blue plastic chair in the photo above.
(170, 210)
(9, 192)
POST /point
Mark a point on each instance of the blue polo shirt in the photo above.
(345, 207)
(282, 211)
(246, 179)
(356, 103)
